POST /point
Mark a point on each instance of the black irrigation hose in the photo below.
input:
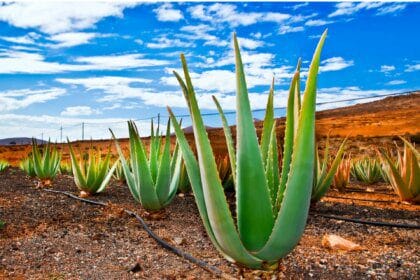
(361, 199)
(212, 269)
(372, 223)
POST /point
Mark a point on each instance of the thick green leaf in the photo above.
(229, 140)
(255, 215)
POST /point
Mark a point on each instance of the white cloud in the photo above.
(298, 6)
(166, 12)
(349, 8)
(251, 44)
(57, 17)
(164, 42)
(27, 39)
(412, 67)
(284, 29)
(114, 88)
(71, 39)
(391, 9)
(79, 111)
(201, 32)
(396, 82)
(227, 13)
(387, 68)
(25, 62)
(18, 99)
(317, 22)
(334, 64)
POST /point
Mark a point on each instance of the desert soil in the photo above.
(50, 236)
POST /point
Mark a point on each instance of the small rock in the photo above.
(83, 194)
(179, 240)
(336, 242)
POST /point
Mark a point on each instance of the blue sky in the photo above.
(103, 62)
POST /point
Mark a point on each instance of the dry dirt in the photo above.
(50, 236)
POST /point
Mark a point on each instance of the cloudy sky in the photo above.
(103, 63)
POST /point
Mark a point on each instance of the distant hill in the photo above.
(19, 141)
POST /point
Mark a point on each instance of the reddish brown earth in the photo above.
(50, 236)
(368, 125)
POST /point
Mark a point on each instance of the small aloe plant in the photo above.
(323, 177)
(65, 168)
(367, 170)
(46, 163)
(119, 174)
(152, 181)
(404, 174)
(342, 175)
(271, 210)
(3, 165)
(91, 173)
(27, 165)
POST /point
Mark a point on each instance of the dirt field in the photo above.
(50, 236)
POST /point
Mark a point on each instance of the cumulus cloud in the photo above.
(228, 13)
(387, 68)
(412, 67)
(396, 82)
(18, 99)
(79, 111)
(381, 8)
(166, 12)
(334, 64)
(58, 17)
(164, 42)
(35, 63)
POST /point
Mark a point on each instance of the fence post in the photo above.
(83, 131)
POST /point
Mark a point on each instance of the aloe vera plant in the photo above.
(3, 165)
(184, 185)
(270, 217)
(404, 174)
(65, 168)
(46, 163)
(342, 175)
(92, 173)
(119, 174)
(27, 165)
(153, 181)
(367, 170)
(323, 177)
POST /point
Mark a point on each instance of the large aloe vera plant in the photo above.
(46, 163)
(92, 173)
(367, 170)
(324, 174)
(271, 211)
(153, 181)
(404, 174)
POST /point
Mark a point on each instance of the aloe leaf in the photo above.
(268, 124)
(291, 220)
(107, 177)
(289, 136)
(164, 172)
(297, 102)
(126, 169)
(255, 215)
(229, 140)
(148, 196)
(77, 172)
(272, 168)
(327, 179)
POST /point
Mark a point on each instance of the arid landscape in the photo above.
(48, 235)
(367, 125)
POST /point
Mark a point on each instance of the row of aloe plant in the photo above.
(272, 203)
